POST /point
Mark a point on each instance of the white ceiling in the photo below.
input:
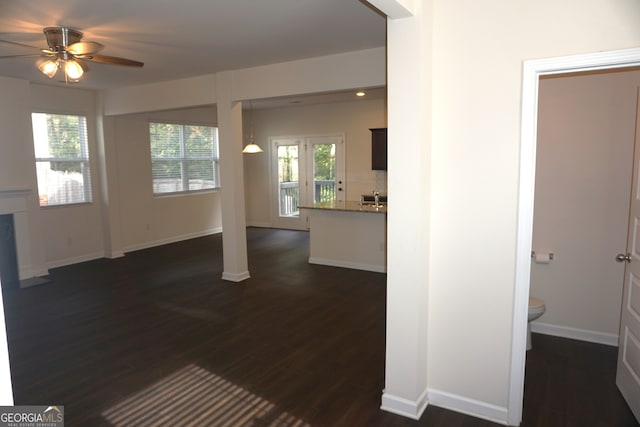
(183, 38)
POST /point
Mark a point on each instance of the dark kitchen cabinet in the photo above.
(379, 149)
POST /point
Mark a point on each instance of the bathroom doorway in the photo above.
(532, 71)
(586, 125)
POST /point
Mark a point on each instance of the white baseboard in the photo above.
(345, 264)
(28, 271)
(172, 239)
(405, 407)
(259, 224)
(575, 333)
(75, 260)
(115, 254)
(472, 407)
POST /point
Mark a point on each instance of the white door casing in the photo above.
(628, 369)
(532, 71)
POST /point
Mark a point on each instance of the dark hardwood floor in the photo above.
(157, 338)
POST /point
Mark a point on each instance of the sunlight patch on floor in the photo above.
(194, 396)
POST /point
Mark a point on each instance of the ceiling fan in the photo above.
(67, 50)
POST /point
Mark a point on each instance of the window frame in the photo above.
(85, 161)
(183, 160)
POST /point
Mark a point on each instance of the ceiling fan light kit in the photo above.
(73, 70)
(49, 68)
(66, 50)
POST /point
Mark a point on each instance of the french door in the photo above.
(307, 170)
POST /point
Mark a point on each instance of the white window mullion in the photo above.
(184, 169)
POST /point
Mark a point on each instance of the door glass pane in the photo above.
(288, 181)
(324, 173)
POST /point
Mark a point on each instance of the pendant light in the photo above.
(251, 147)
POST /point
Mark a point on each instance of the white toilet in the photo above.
(536, 309)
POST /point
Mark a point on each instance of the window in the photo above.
(62, 159)
(183, 157)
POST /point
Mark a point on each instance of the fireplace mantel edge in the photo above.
(15, 192)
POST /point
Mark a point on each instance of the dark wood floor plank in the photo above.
(295, 343)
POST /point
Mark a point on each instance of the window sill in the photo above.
(66, 205)
(185, 193)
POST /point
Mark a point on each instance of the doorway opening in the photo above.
(307, 170)
(532, 71)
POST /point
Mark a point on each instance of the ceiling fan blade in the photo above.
(84, 48)
(30, 55)
(111, 60)
(19, 44)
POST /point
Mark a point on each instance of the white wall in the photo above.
(147, 220)
(351, 118)
(586, 128)
(479, 49)
(476, 58)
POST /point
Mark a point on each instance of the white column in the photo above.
(409, 162)
(234, 233)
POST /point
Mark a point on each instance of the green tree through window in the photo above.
(62, 158)
(324, 174)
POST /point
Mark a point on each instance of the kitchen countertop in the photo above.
(347, 206)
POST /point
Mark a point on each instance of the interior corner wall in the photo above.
(586, 126)
(148, 220)
(354, 119)
(479, 49)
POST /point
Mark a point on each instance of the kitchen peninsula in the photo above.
(348, 234)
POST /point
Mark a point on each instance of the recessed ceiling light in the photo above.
(360, 93)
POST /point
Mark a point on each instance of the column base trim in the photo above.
(236, 277)
(467, 406)
(405, 407)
